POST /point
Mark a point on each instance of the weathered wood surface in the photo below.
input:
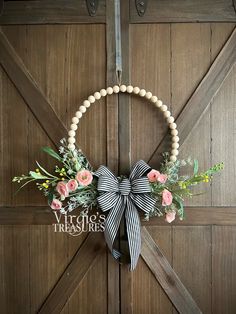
(206, 90)
(50, 12)
(166, 276)
(170, 11)
(83, 260)
(30, 91)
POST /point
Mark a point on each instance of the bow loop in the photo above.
(125, 198)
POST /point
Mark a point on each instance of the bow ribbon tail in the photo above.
(112, 225)
(133, 232)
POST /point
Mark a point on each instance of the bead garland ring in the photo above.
(130, 90)
(74, 184)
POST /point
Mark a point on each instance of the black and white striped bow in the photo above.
(124, 197)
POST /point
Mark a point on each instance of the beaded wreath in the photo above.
(74, 183)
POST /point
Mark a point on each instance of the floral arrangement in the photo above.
(73, 183)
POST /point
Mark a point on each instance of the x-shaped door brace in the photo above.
(94, 244)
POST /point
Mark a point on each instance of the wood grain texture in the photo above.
(147, 294)
(124, 152)
(29, 90)
(83, 260)
(192, 42)
(50, 12)
(113, 269)
(185, 11)
(149, 70)
(223, 269)
(206, 90)
(166, 276)
(14, 269)
(42, 215)
(192, 262)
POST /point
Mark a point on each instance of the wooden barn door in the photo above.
(53, 55)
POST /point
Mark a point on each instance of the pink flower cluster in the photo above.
(167, 198)
(156, 176)
(83, 177)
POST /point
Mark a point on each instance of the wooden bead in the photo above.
(78, 114)
(163, 108)
(109, 90)
(175, 139)
(158, 103)
(82, 109)
(71, 133)
(91, 99)
(170, 120)
(173, 126)
(97, 95)
(142, 92)
(123, 88)
(175, 145)
(71, 146)
(174, 132)
(167, 114)
(154, 99)
(86, 103)
(148, 95)
(75, 120)
(173, 158)
(174, 152)
(130, 89)
(103, 92)
(73, 127)
(71, 140)
(136, 90)
(116, 89)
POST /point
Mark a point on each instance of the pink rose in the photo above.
(162, 178)
(62, 189)
(72, 185)
(166, 198)
(153, 175)
(84, 177)
(56, 204)
(170, 216)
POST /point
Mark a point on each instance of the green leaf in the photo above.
(51, 152)
(195, 167)
(36, 175)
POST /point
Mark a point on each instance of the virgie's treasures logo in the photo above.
(75, 225)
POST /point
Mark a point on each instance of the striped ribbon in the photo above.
(124, 197)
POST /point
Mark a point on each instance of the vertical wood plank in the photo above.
(192, 262)
(223, 269)
(150, 69)
(126, 306)
(14, 269)
(113, 269)
(48, 258)
(190, 51)
(223, 126)
(148, 296)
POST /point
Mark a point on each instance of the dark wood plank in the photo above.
(113, 278)
(83, 260)
(166, 276)
(206, 90)
(30, 92)
(185, 11)
(42, 215)
(201, 216)
(14, 269)
(50, 12)
(124, 152)
(223, 269)
(192, 262)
